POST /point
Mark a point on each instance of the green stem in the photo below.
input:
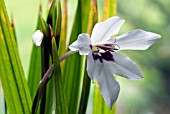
(44, 80)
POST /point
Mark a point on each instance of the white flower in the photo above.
(37, 38)
(104, 60)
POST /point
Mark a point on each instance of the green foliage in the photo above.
(13, 80)
(34, 75)
(72, 70)
(63, 90)
(61, 105)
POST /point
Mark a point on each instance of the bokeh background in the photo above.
(150, 95)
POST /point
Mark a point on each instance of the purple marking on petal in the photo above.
(95, 57)
(107, 56)
(108, 45)
(90, 46)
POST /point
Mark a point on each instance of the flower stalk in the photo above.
(44, 81)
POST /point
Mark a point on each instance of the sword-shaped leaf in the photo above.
(72, 72)
(60, 106)
(13, 80)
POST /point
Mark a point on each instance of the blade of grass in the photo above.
(61, 106)
(13, 68)
(52, 15)
(84, 94)
(62, 46)
(86, 79)
(45, 58)
(55, 14)
(8, 88)
(34, 75)
(109, 9)
(49, 95)
(72, 72)
(13, 27)
(85, 11)
(57, 30)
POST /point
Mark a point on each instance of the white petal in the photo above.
(136, 40)
(109, 87)
(102, 31)
(94, 67)
(82, 44)
(124, 66)
(37, 37)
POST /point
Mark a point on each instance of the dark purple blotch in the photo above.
(96, 56)
(106, 56)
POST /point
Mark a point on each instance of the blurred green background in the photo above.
(150, 95)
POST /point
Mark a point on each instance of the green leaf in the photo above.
(44, 27)
(75, 65)
(56, 27)
(13, 28)
(52, 15)
(109, 9)
(54, 18)
(62, 46)
(49, 95)
(61, 106)
(72, 72)
(34, 75)
(59, 19)
(85, 10)
(93, 18)
(13, 80)
(84, 94)
(45, 58)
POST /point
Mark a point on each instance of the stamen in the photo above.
(109, 47)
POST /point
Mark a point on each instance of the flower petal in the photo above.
(136, 40)
(109, 87)
(102, 31)
(93, 67)
(37, 38)
(82, 44)
(123, 66)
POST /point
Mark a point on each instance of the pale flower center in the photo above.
(103, 51)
